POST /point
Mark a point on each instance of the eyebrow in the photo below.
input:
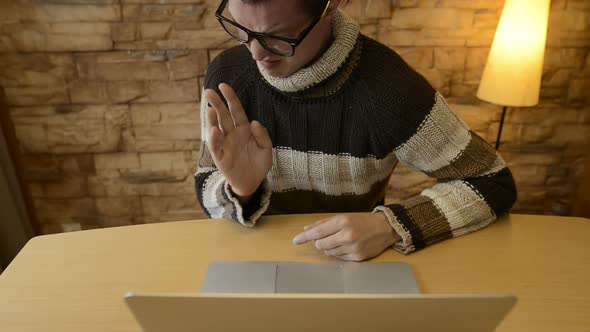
(276, 29)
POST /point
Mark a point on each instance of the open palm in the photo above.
(241, 150)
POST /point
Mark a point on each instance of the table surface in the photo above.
(76, 281)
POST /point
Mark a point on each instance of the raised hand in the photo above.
(241, 150)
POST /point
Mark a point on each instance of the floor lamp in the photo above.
(512, 75)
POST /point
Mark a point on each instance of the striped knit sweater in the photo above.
(340, 126)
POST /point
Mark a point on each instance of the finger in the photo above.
(261, 135)
(215, 145)
(329, 242)
(337, 251)
(223, 115)
(310, 226)
(235, 106)
(319, 232)
(212, 120)
(350, 257)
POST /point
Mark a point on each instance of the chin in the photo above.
(281, 73)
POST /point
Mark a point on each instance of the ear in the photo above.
(333, 7)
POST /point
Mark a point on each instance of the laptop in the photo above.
(359, 297)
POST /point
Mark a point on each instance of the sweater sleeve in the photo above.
(474, 184)
(214, 192)
(212, 189)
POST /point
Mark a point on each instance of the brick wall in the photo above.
(104, 96)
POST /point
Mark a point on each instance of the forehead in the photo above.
(265, 15)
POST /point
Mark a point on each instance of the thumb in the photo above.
(260, 135)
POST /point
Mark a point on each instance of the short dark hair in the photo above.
(311, 7)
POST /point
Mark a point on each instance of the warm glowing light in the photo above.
(512, 76)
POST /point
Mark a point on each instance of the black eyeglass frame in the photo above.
(259, 35)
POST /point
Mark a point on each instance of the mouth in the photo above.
(270, 64)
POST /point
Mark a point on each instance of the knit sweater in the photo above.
(340, 126)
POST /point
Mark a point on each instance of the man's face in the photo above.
(283, 18)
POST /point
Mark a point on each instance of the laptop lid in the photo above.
(318, 312)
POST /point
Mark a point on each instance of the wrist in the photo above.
(242, 198)
(393, 236)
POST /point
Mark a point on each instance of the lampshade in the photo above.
(512, 76)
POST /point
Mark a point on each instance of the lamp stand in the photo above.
(501, 125)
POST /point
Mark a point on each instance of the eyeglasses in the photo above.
(274, 44)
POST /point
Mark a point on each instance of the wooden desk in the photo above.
(76, 281)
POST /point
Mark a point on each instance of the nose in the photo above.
(259, 53)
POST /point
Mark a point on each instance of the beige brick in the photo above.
(150, 114)
(35, 69)
(472, 4)
(559, 38)
(466, 92)
(523, 159)
(168, 2)
(571, 134)
(58, 37)
(154, 30)
(440, 80)
(123, 66)
(32, 138)
(417, 57)
(369, 30)
(573, 20)
(63, 12)
(476, 58)
(163, 161)
(77, 129)
(37, 95)
(171, 92)
(124, 32)
(579, 90)
(88, 92)
(214, 37)
(214, 53)
(118, 206)
(529, 175)
(157, 12)
(481, 38)
(64, 208)
(558, 4)
(473, 76)
(183, 184)
(167, 132)
(564, 57)
(433, 18)
(109, 161)
(393, 37)
(126, 91)
(440, 37)
(486, 19)
(450, 58)
(68, 187)
(171, 208)
(557, 78)
(367, 11)
(477, 117)
(553, 93)
(578, 4)
(409, 3)
(185, 66)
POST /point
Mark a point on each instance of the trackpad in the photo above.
(310, 278)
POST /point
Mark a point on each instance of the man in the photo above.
(315, 120)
